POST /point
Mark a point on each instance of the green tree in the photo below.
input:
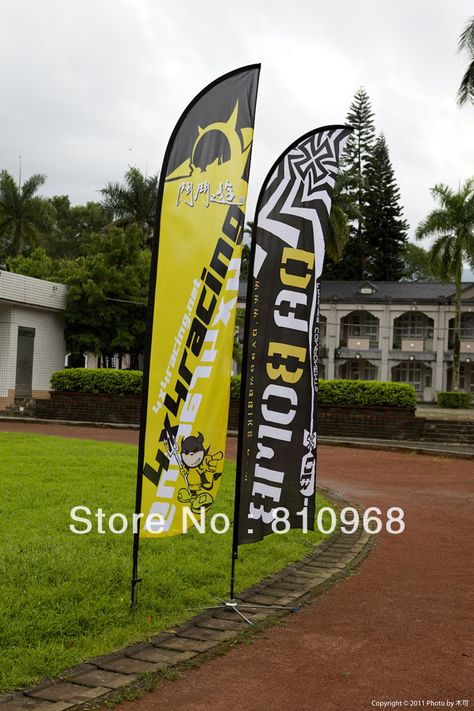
(133, 203)
(417, 264)
(107, 296)
(244, 265)
(38, 264)
(452, 225)
(350, 185)
(74, 225)
(385, 230)
(25, 217)
(359, 144)
(466, 44)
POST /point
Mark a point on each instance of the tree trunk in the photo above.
(457, 331)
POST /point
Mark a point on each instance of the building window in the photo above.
(356, 369)
(408, 372)
(360, 324)
(413, 325)
(467, 329)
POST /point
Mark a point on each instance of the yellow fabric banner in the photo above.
(194, 292)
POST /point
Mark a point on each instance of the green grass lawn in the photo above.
(65, 598)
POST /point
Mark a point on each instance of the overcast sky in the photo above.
(91, 86)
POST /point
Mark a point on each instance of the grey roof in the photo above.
(385, 291)
(426, 291)
(21, 289)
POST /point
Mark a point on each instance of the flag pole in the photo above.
(146, 380)
(242, 413)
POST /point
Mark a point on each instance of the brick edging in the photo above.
(206, 634)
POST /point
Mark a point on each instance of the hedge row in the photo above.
(98, 380)
(454, 400)
(366, 392)
(356, 392)
(331, 392)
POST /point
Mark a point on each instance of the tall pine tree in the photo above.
(354, 262)
(384, 229)
(366, 191)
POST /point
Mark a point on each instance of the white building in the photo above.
(32, 343)
(394, 331)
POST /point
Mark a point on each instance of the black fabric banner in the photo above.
(277, 453)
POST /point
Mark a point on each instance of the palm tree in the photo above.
(24, 216)
(133, 203)
(466, 42)
(452, 224)
(343, 210)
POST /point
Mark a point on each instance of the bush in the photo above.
(100, 380)
(366, 392)
(235, 387)
(355, 392)
(454, 400)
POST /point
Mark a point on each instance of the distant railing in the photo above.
(367, 336)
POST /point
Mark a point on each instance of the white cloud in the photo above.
(89, 87)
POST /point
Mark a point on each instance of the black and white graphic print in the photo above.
(280, 378)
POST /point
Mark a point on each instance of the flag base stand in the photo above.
(237, 607)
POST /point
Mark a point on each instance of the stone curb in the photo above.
(109, 676)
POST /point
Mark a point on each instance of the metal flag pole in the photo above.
(146, 378)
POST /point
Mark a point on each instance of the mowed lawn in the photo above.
(65, 598)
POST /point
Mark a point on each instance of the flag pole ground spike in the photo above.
(236, 606)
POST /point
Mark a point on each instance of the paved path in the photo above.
(431, 411)
(103, 434)
(129, 435)
(399, 629)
